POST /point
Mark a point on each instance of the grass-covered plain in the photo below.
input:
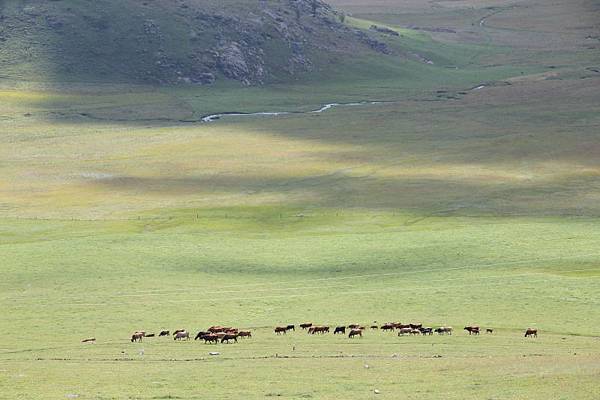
(445, 205)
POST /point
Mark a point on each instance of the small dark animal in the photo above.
(280, 330)
(178, 331)
(416, 326)
(246, 334)
(353, 326)
(201, 334)
(355, 332)
(404, 331)
(444, 330)
(387, 327)
(164, 333)
(306, 325)
(318, 329)
(291, 328)
(216, 329)
(149, 335)
(182, 335)
(89, 340)
(473, 330)
(374, 327)
(211, 338)
(137, 337)
(426, 331)
(340, 330)
(228, 337)
(531, 332)
(488, 330)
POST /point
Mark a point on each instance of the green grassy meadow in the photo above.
(445, 205)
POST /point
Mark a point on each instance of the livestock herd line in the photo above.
(223, 334)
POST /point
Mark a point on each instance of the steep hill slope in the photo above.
(167, 42)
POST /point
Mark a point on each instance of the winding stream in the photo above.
(215, 117)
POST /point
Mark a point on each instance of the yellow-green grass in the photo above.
(445, 206)
(257, 268)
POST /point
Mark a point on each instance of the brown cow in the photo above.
(306, 325)
(178, 331)
(353, 326)
(473, 330)
(137, 337)
(531, 332)
(318, 329)
(216, 329)
(182, 335)
(404, 331)
(246, 334)
(387, 327)
(355, 332)
(280, 330)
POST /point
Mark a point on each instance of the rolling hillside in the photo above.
(173, 42)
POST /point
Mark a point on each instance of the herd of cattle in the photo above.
(216, 334)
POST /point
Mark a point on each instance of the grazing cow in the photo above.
(355, 332)
(178, 331)
(306, 325)
(374, 327)
(164, 333)
(89, 340)
(216, 329)
(402, 326)
(488, 330)
(182, 335)
(210, 338)
(340, 330)
(531, 332)
(280, 330)
(228, 337)
(232, 331)
(444, 330)
(353, 326)
(404, 331)
(137, 337)
(318, 329)
(245, 334)
(201, 334)
(387, 327)
(416, 326)
(473, 330)
(291, 328)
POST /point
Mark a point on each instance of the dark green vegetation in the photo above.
(445, 205)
